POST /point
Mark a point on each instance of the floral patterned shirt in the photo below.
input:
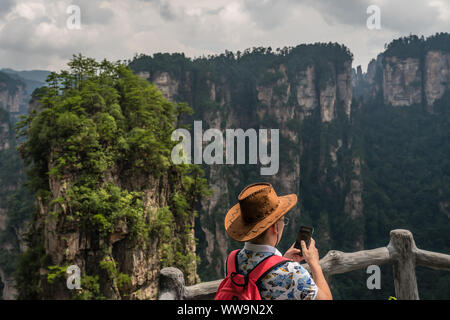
(288, 281)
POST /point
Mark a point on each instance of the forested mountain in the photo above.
(108, 200)
(365, 153)
(32, 79)
(361, 165)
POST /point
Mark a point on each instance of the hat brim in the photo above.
(238, 230)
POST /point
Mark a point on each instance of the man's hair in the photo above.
(263, 235)
(260, 237)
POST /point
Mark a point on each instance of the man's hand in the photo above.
(293, 254)
(311, 254)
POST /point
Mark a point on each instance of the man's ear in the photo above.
(273, 228)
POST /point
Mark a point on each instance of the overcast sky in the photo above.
(34, 33)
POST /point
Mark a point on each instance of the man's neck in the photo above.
(262, 248)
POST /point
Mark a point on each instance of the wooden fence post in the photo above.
(402, 250)
(171, 284)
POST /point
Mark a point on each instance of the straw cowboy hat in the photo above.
(259, 207)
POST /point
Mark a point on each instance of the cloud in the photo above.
(94, 12)
(6, 6)
(350, 12)
(402, 16)
(413, 16)
(167, 12)
(269, 14)
(34, 34)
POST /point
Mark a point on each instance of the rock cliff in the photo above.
(15, 202)
(13, 96)
(402, 81)
(291, 93)
(320, 107)
(411, 71)
(436, 75)
(108, 201)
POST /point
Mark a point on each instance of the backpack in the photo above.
(237, 286)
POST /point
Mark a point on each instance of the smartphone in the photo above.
(304, 234)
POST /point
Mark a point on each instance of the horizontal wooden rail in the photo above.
(434, 260)
(401, 252)
(336, 262)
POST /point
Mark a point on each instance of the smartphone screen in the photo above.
(304, 234)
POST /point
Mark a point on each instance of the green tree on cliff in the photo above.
(99, 138)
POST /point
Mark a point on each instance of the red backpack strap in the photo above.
(265, 266)
(232, 263)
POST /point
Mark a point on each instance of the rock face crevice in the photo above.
(402, 81)
(353, 200)
(13, 101)
(306, 91)
(5, 135)
(66, 243)
(436, 75)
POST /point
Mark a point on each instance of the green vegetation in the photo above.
(55, 272)
(406, 177)
(100, 131)
(109, 206)
(414, 47)
(28, 280)
(110, 266)
(15, 199)
(91, 289)
(408, 172)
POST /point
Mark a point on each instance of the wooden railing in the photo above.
(401, 252)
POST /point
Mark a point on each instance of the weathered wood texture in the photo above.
(402, 249)
(401, 252)
(336, 262)
(202, 291)
(433, 260)
(171, 284)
